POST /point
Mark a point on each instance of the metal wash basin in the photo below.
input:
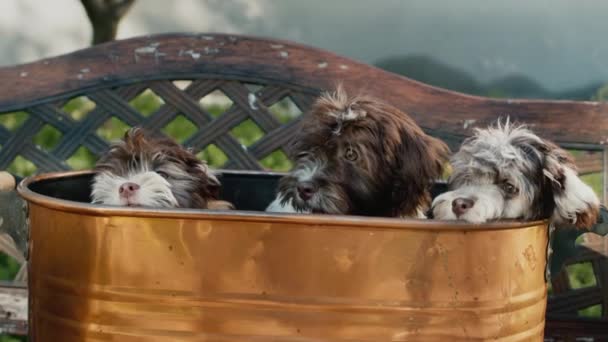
(100, 273)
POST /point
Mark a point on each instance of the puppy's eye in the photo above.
(510, 188)
(163, 174)
(350, 154)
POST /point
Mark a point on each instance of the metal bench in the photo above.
(254, 77)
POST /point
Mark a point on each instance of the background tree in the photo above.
(104, 16)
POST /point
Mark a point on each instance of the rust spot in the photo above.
(530, 257)
(343, 259)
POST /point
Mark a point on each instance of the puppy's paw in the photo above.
(220, 205)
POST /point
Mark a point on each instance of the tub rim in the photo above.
(250, 216)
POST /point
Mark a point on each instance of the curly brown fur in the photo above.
(360, 156)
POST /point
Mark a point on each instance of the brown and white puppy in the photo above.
(508, 172)
(146, 171)
(356, 155)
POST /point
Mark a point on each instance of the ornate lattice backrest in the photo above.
(231, 124)
(235, 98)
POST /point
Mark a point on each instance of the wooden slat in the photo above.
(13, 309)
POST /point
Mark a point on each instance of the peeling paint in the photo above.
(85, 70)
(322, 65)
(252, 100)
(210, 50)
(277, 46)
(343, 66)
(191, 53)
(150, 49)
(284, 54)
(23, 74)
(468, 123)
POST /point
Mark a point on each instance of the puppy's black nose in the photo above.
(462, 205)
(306, 190)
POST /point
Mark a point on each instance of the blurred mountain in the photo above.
(516, 85)
(430, 71)
(584, 93)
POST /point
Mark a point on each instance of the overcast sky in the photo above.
(559, 43)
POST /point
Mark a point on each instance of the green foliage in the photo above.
(601, 94)
(180, 129)
(112, 130)
(8, 267)
(595, 182)
(147, 103)
(22, 167)
(12, 121)
(78, 107)
(581, 275)
(592, 311)
(11, 338)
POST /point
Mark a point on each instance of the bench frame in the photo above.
(114, 73)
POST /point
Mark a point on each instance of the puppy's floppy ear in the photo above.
(420, 160)
(575, 202)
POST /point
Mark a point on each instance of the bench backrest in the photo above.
(238, 99)
(258, 77)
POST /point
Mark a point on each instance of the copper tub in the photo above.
(112, 274)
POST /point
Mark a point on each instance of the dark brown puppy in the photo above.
(360, 156)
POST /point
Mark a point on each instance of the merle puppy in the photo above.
(508, 172)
